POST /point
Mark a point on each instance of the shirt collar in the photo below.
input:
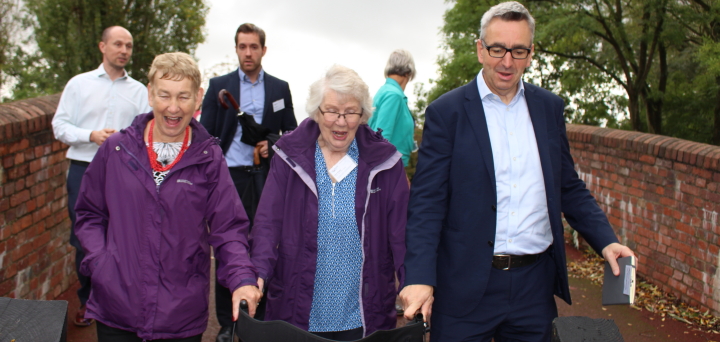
(244, 78)
(100, 71)
(389, 80)
(485, 91)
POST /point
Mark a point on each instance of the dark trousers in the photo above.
(518, 305)
(75, 174)
(345, 335)
(109, 334)
(223, 297)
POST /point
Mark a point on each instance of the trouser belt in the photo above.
(505, 261)
(79, 163)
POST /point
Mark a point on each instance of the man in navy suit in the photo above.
(485, 249)
(268, 100)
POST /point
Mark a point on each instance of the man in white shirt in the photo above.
(93, 106)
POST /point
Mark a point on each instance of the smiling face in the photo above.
(117, 48)
(502, 75)
(173, 104)
(249, 52)
(337, 135)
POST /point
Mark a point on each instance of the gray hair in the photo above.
(345, 82)
(400, 63)
(507, 11)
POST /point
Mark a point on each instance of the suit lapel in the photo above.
(476, 115)
(268, 110)
(538, 116)
(234, 86)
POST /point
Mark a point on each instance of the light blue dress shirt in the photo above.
(523, 224)
(252, 102)
(336, 295)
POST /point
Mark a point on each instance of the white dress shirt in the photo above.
(523, 224)
(91, 102)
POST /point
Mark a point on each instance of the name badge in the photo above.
(342, 168)
(278, 105)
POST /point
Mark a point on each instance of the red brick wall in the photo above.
(36, 260)
(662, 196)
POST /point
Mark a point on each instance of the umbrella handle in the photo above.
(222, 95)
(256, 155)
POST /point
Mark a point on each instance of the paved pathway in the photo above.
(635, 326)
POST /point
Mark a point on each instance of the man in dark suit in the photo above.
(485, 248)
(268, 100)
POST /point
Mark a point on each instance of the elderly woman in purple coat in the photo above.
(329, 234)
(154, 199)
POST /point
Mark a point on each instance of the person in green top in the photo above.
(392, 114)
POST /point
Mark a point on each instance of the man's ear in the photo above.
(529, 59)
(480, 51)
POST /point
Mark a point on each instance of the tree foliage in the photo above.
(67, 33)
(646, 65)
(11, 25)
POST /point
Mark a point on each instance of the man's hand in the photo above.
(261, 283)
(251, 294)
(100, 136)
(263, 148)
(614, 251)
(417, 297)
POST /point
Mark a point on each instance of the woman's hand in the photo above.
(249, 293)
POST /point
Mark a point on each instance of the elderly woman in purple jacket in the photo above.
(153, 200)
(329, 234)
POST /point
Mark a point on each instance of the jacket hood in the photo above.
(298, 142)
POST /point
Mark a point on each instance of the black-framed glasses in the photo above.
(500, 51)
(335, 116)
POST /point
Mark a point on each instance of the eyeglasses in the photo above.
(349, 117)
(500, 51)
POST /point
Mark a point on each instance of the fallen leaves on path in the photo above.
(648, 296)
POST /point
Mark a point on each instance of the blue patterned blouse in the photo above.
(336, 296)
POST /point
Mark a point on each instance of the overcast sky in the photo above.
(304, 38)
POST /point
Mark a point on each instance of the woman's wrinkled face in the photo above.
(339, 120)
(173, 102)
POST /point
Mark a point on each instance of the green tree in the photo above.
(701, 19)
(67, 33)
(620, 40)
(11, 29)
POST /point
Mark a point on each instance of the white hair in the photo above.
(507, 11)
(345, 82)
(400, 63)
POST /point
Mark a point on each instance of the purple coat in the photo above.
(147, 247)
(284, 236)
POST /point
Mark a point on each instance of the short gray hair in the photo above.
(507, 11)
(346, 83)
(400, 63)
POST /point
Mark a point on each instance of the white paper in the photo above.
(342, 168)
(278, 105)
(628, 279)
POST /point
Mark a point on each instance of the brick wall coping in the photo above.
(20, 118)
(677, 150)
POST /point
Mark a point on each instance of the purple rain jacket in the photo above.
(147, 247)
(284, 236)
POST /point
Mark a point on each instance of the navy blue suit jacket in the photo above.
(222, 123)
(452, 210)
